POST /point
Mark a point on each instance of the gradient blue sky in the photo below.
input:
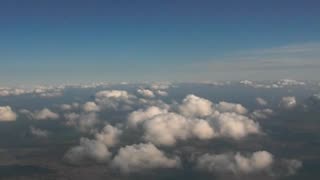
(58, 41)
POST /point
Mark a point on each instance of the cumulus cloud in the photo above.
(235, 126)
(141, 115)
(84, 122)
(138, 157)
(162, 93)
(146, 93)
(231, 107)
(6, 114)
(262, 113)
(162, 127)
(235, 163)
(291, 166)
(94, 150)
(38, 132)
(45, 114)
(288, 102)
(69, 107)
(195, 106)
(109, 135)
(90, 107)
(88, 151)
(115, 99)
(261, 101)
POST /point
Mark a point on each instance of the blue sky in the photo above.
(81, 41)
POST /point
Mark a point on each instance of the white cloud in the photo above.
(194, 106)
(235, 163)
(288, 102)
(146, 93)
(38, 132)
(109, 135)
(88, 151)
(231, 107)
(90, 107)
(261, 101)
(163, 127)
(45, 114)
(139, 116)
(140, 157)
(84, 122)
(262, 113)
(6, 114)
(69, 107)
(235, 126)
(162, 93)
(115, 100)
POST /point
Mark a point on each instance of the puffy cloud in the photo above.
(45, 114)
(115, 99)
(69, 107)
(235, 163)
(88, 151)
(11, 92)
(84, 122)
(290, 82)
(6, 114)
(109, 135)
(38, 132)
(231, 107)
(261, 101)
(235, 126)
(146, 93)
(139, 116)
(140, 157)
(162, 93)
(288, 102)
(162, 127)
(90, 107)
(195, 106)
(262, 113)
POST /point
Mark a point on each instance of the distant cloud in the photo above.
(261, 101)
(88, 151)
(231, 107)
(90, 107)
(146, 93)
(45, 114)
(139, 157)
(235, 163)
(288, 102)
(6, 114)
(38, 132)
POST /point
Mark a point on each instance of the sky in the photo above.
(81, 41)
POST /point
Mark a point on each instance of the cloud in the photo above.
(291, 166)
(162, 93)
(288, 102)
(235, 126)
(88, 151)
(146, 93)
(109, 135)
(90, 107)
(69, 107)
(38, 132)
(194, 106)
(163, 127)
(235, 163)
(94, 150)
(261, 101)
(45, 114)
(139, 157)
(262, 113)
(231, 107)
(141, 115)
(6, 114)
(84, 122)
(115, 100)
